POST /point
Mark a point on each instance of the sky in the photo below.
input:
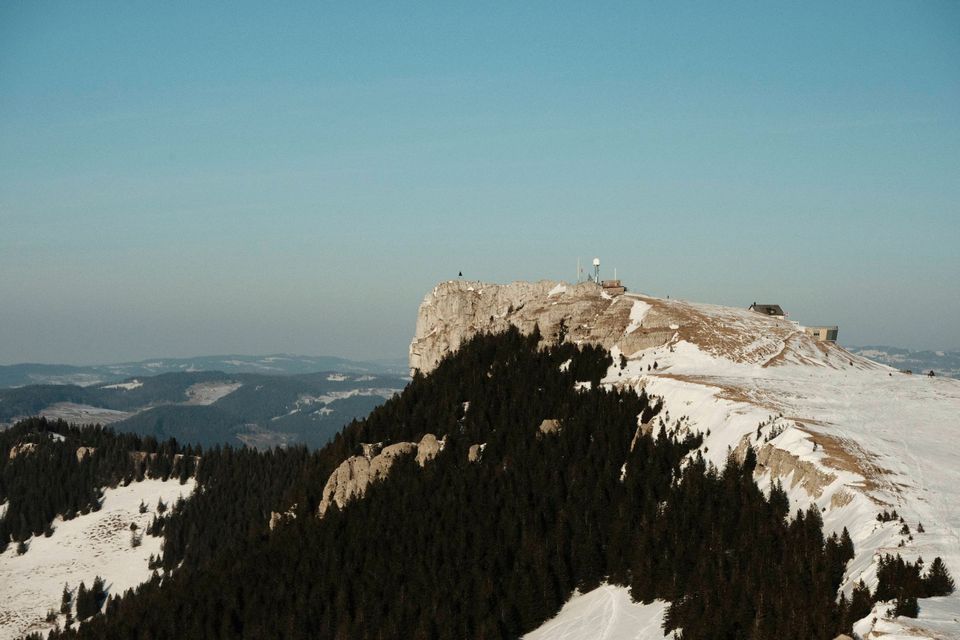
(195, 178)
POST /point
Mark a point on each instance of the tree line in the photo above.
(49, 468)
(491, 548)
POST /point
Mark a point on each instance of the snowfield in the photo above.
(637, 313)
(333, 396)
(838, 430)
(606, 613)
(126, 386)
(96, 544)
(853, 436)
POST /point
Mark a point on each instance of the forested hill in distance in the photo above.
(19, 375)
(213, 407)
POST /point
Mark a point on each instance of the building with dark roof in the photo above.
(772, 310)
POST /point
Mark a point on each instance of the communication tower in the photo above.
(596, 270)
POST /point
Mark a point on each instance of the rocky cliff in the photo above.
(454, 311)
(837, 430)
(352, 477)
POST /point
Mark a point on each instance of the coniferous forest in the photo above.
(490, 548)
(50, 468)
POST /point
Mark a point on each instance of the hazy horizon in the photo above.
(198, 179)
(383, 359)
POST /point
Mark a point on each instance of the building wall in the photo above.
(822, 333)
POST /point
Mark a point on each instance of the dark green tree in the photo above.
(938, 581)
(66, 600)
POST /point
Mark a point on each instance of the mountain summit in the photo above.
(856, 438)
(566, 461)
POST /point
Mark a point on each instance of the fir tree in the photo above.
(938, 581)
(66, 600)
(861, 602)
(906, 606)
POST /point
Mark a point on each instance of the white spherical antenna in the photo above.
(596, 262)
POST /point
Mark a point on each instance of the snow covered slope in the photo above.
(96, 544)
(606, 613)
(853, 436)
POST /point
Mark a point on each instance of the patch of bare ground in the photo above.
(846, 455)
(783, 465)
(780, 358)
(722, 331)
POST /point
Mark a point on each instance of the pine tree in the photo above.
(98, 595)
(85, 607)
(66, 600)
(846, 546)
(938, 581)
(861, 602)
(906, 606)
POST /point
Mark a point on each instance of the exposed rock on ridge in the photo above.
(455, 311)
(351, 479)
(783, 465)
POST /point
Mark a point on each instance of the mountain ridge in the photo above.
(827, 422)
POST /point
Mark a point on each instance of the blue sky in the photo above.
(252, 177)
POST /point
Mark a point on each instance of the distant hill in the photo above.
(19, 375)
(213, 407)
(943, 363)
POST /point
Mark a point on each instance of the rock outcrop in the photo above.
(475, 452)
(549, 427)
(22, 449)
(428, 448)
(783, 465)
(354, 475)
(277, 518)
(455, 311)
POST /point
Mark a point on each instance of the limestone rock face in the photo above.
(351, 479)
(22, 448)
(277, 518)
(783, 464)
(549, 427)
(428, 448)
(83, 452)
(475, 452)
(455, 311)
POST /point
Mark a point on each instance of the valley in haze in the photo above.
(19, 375)
(214, 407)
(941, 362)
